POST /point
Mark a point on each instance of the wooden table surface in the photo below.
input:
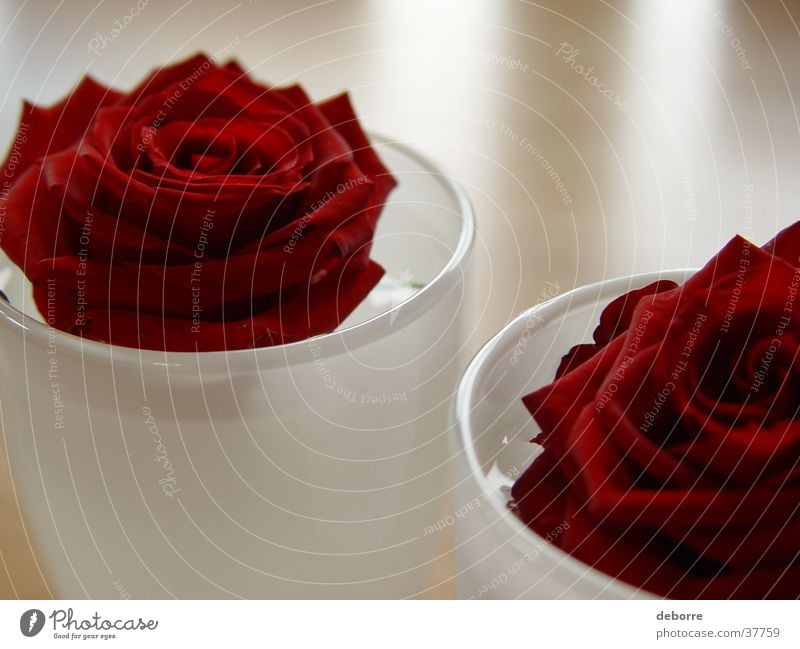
(596, 139)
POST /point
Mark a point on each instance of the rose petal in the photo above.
(49, 130)
(307, 313)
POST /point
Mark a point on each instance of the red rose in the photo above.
(672, 445)
(199, 211)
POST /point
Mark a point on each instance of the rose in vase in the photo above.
(200, 211)
(672, 443)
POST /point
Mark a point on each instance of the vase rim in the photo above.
(349, 338)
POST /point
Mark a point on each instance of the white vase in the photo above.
(304, 470)
(496, 555)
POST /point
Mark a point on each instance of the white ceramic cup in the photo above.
(496, 555)
(304, 470)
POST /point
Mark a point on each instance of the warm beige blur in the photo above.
(684, 132)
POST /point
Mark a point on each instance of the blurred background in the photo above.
(595, 139)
